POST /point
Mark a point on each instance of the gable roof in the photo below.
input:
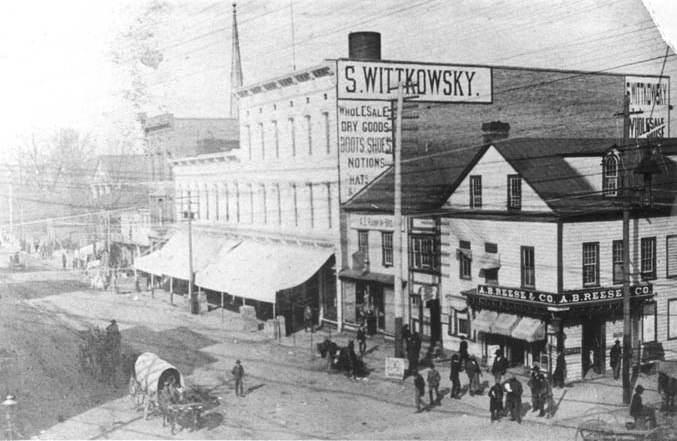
(428, 181)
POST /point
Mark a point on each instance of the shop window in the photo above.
(649, 322)
(464, 260)
(514, 192)
(476, 191)
(387, 248)
(648, 258)
(672, 319)
(617, 256)
(671, 256)
(459, 323)
(422, 255)
(610, 175)
(528, 267)
(591, 264)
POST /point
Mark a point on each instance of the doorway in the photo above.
(593, 348)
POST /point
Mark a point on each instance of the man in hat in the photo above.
(513, 399)
(500, 366)
(534, 384)
(454, 370)
(641, 413)
(496, 401)
(238, 374)
(615, 359)
(419, 390)
(472, 369)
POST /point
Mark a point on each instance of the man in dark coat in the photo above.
(513, 400)
(419, 390)
(615, 359)
(463, 352)
(496, 401)
(560, 370)
(643, 415)
(534, 384)
(454, 370)
(413, 349)
(238, 374)
(500, 366)
(472, 369)
(362, 340)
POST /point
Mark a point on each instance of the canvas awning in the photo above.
(504, 324)
(529, 329)
(489, 261)
(257, 270)
(172, 259)
(457, 303)
(483, 321)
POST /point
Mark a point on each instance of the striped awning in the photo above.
(504, 324)
(483, 321)
(529, 329)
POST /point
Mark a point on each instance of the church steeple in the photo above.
(235, 66)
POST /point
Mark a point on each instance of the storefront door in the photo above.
(435, 325)
(593, 348)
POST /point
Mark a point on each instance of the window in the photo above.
(249, 141)
(422, 252)
(237, 201)
(649, 322)
(617, 256)
(648, 258)
(528, 267)
(292, 136)
(610, 175)
(206, 192)
(363, 243)
(311, 205)
(227, 200)
(262, 134)
(387, 248)
(327, 138)
(514, 192)
(475, 191)
(459, 323)
(591, 264)
(279, 204)
(216, 201)
(490, 247)
(276, 138)
(251, 203)
(672, 319)
(464, 260)
(309, 129)
(264, 201)
(296, 206)
(328, 205)
(671, 256)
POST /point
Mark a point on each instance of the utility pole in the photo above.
(192, 296)
(397, 225)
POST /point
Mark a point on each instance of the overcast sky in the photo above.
(55, 55)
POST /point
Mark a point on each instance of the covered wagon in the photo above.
(149, 377)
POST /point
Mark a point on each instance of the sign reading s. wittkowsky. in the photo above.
(365, 121)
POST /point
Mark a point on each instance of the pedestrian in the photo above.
(545, 397)
(500, 366)
(645, 416)
(472, 369)
(454, 369)
(419, 390)
(513, 399)
(496, 401)
(615, 359)
(560, 370)
(463, 352)
(433, 384)
(362, 340)
(308, 319)
(238, 374)
(534, 385)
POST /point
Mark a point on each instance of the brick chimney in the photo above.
(494, 130)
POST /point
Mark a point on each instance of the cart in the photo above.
(148, 379)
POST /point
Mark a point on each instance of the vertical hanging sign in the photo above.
(365, 126)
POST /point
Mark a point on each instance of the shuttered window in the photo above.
(671, 256)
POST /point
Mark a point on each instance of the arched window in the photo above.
(610, 175)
